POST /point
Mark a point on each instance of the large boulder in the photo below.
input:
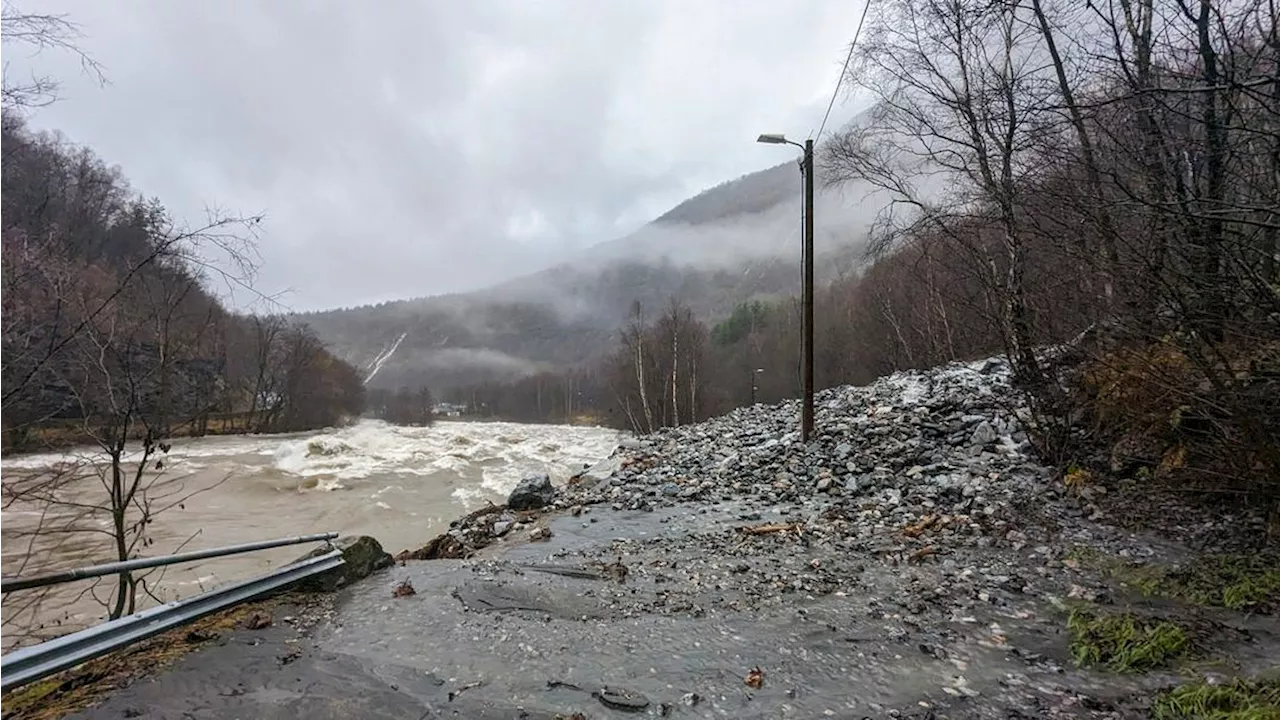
(533, 492)
(598, 476)
(362, 556)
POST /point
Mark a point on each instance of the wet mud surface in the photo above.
(540, 629)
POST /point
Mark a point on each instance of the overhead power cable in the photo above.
(844, 71)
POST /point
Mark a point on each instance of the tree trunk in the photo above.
(675, 362)
(1210, 295)
(1111, 258)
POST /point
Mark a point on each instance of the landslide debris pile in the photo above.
(946, 440)
(915, 541)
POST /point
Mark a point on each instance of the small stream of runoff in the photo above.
(402, 485)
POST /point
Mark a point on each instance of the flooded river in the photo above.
(401, 485)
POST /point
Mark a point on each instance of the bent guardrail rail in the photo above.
(32, 663)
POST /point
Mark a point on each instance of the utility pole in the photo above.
(806, 293)
(806, 300)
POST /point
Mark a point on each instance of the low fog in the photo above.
(737, 241)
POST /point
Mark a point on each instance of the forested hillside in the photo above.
(736, 242)
(750, 194)
(1110, 224)
(109, 330)
(569, 318)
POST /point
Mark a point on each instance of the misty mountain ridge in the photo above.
(737, 241)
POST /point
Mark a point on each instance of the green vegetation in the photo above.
(745, 319)
(1238, 700)
(33, 695)
(1236, 582)
(1231, 581)
(1123, 642)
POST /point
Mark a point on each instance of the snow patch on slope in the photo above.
(383, 357)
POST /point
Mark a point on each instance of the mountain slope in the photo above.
(734, 242)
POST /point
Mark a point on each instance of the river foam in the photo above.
(402, 485)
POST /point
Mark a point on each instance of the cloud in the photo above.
(478, 358)
(410, 148)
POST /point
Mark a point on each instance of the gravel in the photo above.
(916, 526)
(941, 441)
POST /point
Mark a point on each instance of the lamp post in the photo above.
(806, 296)
(755, 374)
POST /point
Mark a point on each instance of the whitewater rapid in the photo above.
(402, 485)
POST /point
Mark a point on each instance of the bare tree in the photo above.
(40, 32)
(1108, 167)
(670, 354)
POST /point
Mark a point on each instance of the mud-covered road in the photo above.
(538, 629)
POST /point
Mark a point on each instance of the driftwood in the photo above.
(918, 528)
(466, 519)
(921, 554)
(443, 546)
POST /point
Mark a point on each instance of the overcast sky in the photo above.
(401, 149)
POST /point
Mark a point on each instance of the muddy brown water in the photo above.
(401, 485)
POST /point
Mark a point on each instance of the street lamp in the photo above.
(806, 297)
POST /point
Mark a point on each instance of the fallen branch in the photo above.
(491, 508)
(918, 528)
(921, 554)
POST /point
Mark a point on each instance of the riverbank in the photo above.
(912, 562)
(63, 434)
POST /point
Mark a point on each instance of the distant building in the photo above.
(448, 409)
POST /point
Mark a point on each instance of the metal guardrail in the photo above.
(11, 584)
(33, 663)
(38, 661)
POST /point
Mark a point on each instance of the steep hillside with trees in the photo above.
(1110, 224)
(110, 339)
(109, 331)
(563, 318)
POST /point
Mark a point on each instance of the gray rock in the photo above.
(602, 472)
(983, 435)
(501, 527)
(532, 493)
(361, 557)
